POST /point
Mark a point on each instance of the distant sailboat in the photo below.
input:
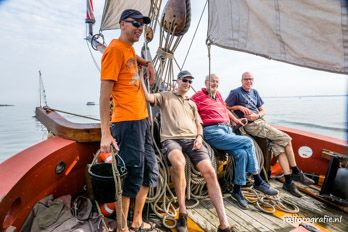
(90, 103)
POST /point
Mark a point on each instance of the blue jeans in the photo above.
(240, 147)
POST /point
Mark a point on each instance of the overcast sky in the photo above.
(49, 36)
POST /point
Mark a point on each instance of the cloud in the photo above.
(40, 35)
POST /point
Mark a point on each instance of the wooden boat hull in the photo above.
(318, 162)
(31, 175)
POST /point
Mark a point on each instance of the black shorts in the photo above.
(136, 151)
(185, 146)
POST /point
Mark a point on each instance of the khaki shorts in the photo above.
(260, 128)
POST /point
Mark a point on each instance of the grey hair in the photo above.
(246, 74)
(211, 75)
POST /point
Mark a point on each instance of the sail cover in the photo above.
(113, 9)
(309, 33)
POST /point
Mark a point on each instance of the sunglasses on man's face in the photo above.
(135, 23)
(186, 80)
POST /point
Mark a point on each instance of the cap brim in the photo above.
(146, 19)
(186, 76)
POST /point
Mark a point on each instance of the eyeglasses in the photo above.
(248, 79)
(135, 23)
(186, 80)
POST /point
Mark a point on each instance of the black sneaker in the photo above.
(242, 202)
(301, 177)
(266, 189)
(181, 224)
(228, 229)
(292, 189)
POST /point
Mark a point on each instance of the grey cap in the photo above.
(184, 73)
(134, 14)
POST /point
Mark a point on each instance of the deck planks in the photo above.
(244, 220)
(253, 220)
(310, 207)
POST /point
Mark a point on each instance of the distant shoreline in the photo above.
(307, 96)
(5, 105)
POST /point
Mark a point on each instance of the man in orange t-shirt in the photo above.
(130, 132)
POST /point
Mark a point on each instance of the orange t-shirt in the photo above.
(119, 64)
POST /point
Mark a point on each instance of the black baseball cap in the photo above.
(134, 14)
(184, 73)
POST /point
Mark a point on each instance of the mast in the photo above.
(90, 20)
(42, 92)
(40, 88)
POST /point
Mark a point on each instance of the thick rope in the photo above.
(118, 189)
(265, 203)
(268, 204)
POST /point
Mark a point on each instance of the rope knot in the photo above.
(164, 55)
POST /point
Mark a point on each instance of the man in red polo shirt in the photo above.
(219, 134)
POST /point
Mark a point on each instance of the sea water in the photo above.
(324, 115)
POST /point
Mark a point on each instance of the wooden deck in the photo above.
(253, 220)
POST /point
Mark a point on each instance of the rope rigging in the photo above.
(174, 24)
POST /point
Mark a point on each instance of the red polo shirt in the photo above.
(212, 111)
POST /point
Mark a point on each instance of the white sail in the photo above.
(309, 33)
(113, 9)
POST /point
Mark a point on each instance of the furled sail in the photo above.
(309, 33)
(113, 9)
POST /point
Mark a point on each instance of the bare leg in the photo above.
(214, 190)
(284, 163)
(290, 155)
(139, 206)
(178, 163)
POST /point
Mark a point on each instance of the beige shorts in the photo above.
(260, 128)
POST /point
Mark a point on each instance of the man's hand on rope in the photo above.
(105, 143)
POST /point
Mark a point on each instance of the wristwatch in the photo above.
(199, 135)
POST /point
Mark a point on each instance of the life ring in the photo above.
(104, 157)
(107, 209)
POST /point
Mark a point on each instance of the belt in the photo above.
(217, 124)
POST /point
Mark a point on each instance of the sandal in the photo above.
(142, 229)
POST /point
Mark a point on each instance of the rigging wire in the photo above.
(90, 52)
(65, 112)
(194, 35)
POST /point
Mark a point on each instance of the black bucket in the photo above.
(103, 182)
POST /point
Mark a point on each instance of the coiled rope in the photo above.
(268, 204)
(265, 203)
(163, 201)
